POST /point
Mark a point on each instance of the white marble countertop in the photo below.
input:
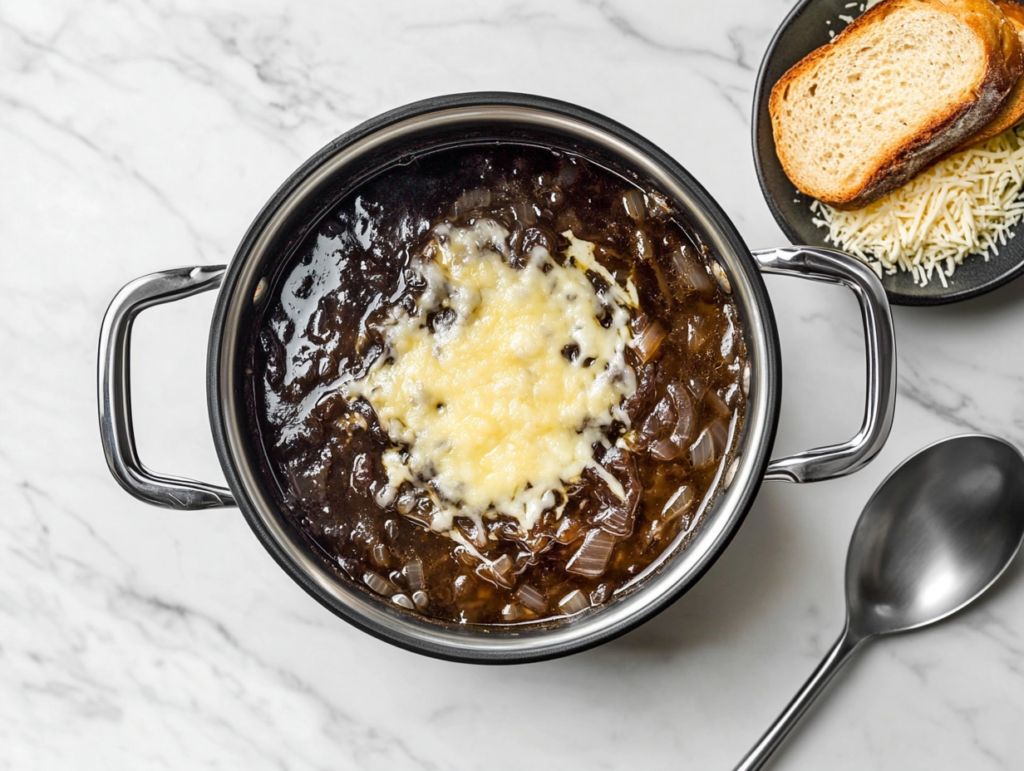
(143, 134)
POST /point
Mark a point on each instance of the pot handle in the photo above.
(835, 267)
(115, 404)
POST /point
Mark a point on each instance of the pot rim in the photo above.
(675, 573)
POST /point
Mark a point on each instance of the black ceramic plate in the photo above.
(805, 29)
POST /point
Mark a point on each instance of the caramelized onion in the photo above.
(380, 555)
(532, 598)
(570, 529)
(414, 574)
(568, 173)
(634, 204)
(405, 504)
(660, 424)
(728, 346)
(592, 557)
(665, 450)
(697, 386)
(574, 602)
(717, 404)
(730, 474)
(617, 520)
(472, 199)
(378, 584)
(502, 566)
(668, 428)
(649, 341)
(616, 509)
(644, 248)
(702, 452)
(732, 396)
(525, 213)
(514, 612)
(685, 417)
(642, 399)
(680, 503)
(418, 509)
(402, 601)
(697, 333)
(659, 274)
(473, 530)
(498, 572)
(691, 269)
(466, 557)
(719, 436)
(721, 277)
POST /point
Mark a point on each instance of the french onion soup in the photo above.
(497, 384)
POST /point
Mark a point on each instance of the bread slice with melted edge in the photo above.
(904, 84)
(1012, 111)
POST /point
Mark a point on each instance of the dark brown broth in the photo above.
(323, 319)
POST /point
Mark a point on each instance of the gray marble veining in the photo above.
(138, 135)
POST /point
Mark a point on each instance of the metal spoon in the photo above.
(935, 535)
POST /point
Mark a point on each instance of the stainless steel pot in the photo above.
(396, 137)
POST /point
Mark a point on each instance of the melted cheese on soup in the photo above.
(487, 413)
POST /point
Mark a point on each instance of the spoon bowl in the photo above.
(936, 534)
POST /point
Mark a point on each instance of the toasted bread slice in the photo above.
(1013, 108)
(907, 82)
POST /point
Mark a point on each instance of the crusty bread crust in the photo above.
(1013, 109)
(951, 124)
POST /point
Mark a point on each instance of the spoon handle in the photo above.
(845, 646)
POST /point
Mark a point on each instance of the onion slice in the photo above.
(720, 436)
(532, 598)
(691, 269)
(665, 449)
(570, 530)
(721, 277)
(649, 341)
(634, 204)
(403, 602)
(617, 520)
(680, 503)
(473, 199)
(380, 555)
(514, 612)
(574, 602)
(592, 557)
(378, 584)
(702, 452)
(498, 572)
(717, 404)
(697, 331)
(502, 566)
(685, 416)
(414, 574)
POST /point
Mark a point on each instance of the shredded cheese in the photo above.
(487, 414)
(966, 204)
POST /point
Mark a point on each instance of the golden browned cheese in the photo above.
(490, 405)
